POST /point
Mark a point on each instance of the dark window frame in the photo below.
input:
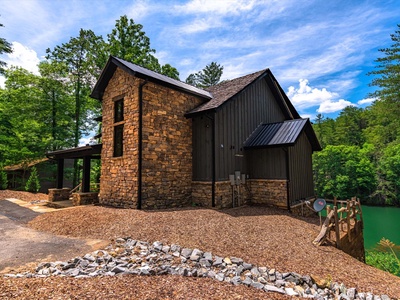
(118, 140)
(118, 137)
(118, 110)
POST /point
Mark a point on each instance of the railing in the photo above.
(341, 220)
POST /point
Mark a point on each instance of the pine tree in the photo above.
(33, 184)
(209, 76)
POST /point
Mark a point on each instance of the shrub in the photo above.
(33, 184)
(3, 179)
(384, 257)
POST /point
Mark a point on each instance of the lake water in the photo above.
(380, 222)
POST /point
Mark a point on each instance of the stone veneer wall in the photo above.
(269, 192)
(202, 193)
(167, 147)
(118, 185)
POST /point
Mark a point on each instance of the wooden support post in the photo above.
(60, 173)
(348, 220)
(337, 232)
(86, 175)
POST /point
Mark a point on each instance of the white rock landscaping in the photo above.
(129, 256)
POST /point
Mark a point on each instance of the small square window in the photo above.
(119, 110)
(118, 140)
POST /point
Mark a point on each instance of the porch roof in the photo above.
(93, 151)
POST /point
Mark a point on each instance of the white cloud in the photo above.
(366, 101)
(333, 106)
(218, 7)
(305, 96)
(200, 25)
(24, 57)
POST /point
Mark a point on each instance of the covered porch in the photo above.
(60, 193)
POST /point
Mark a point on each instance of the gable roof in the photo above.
(227, 90)
(114, 62)
(281, 134)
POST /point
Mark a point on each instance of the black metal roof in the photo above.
(78, 152)
(281, 134)
(114, 62)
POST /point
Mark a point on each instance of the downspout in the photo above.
(213, 168)
(140, 143)
(288, 177)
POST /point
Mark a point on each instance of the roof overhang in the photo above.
(93, 151)
(143, 73)
(282, 134)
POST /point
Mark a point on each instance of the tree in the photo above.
(58, 105)
(388, 70)
(3, 178)
(350, 125)
(209, 76)
(81, 58)
(344, 172)
(33, 184)
(128, 41)
(5, 47)
(387, 78)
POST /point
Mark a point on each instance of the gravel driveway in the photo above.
(20, 245)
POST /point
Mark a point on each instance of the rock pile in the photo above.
(129, 256)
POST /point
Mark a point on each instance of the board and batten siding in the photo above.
(202, 143)
(268, 163)
(236, 120)
(301, 176)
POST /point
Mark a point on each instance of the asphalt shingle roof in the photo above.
(225, 90)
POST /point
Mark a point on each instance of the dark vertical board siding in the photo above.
(268, 163)
(301, 177)
(235, 122)
(202, 132)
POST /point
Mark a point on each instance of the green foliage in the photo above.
(384, 257)
(375, 131)
(209, 76)
(128, 41)
(33, 183)
(343, 172)
(3, 179)
(5, 47)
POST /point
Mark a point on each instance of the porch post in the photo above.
(60, 173)
(86, 175)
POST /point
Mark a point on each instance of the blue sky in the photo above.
(319, 51)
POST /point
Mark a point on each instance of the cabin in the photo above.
(168, 144)
(18, 174)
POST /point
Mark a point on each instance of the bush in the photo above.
(3, 179)
(33, 184)
(384, 257)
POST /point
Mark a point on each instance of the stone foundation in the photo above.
(59, 194)
(84, 198)
(269, 192)
(202, 194)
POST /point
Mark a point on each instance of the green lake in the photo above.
(380, 222)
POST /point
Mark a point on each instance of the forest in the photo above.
(53, 110)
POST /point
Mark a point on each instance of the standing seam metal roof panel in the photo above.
(276, 134)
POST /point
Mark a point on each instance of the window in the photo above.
(118, 127)
(119, 110)
(118, 140)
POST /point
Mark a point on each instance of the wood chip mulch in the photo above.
(24, 196)
(262, 236)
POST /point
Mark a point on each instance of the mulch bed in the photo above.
(262, 236)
